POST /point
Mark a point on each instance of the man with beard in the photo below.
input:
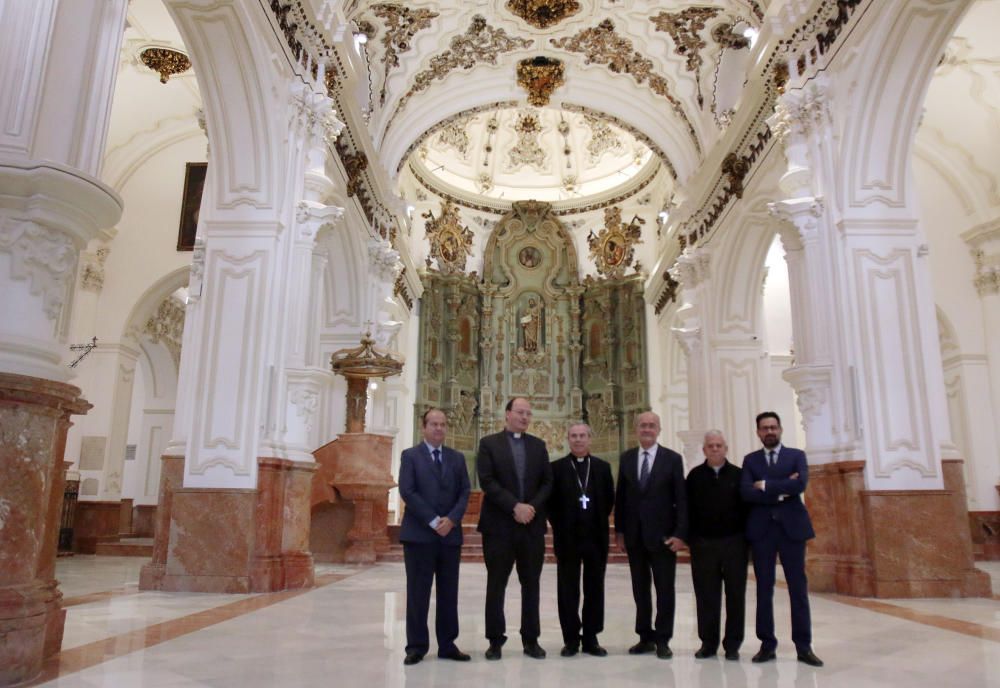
(773, 481)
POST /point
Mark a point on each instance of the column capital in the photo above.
(984, 244)
(692, 267)
(801, 214)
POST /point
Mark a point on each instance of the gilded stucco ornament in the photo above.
(402, 24)
(540, 76)
(613, 248)
(602, 45)
(480, 44)
(451, 243)
(543, 13)
(685, 28)
(165, 61)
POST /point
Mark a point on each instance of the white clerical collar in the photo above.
(516, 435)
(581, 459)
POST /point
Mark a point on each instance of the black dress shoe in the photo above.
(663, 650)
(704, 653)
(568, 650)
(495, 651)
(595, 650)
(764, 656)
(733, 655)
(810, 658)
(454, 654)
(534, 650)
(412, 658)
(642, 647)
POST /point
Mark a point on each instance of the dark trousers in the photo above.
(502, 552)
(718, 562)
(425, 562)
(657, 567)
(793, 562)
(593, 559)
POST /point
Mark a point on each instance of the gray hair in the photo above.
(714, 433)
(590, 431)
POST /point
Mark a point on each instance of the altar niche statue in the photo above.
(531, 325)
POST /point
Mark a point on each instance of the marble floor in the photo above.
(350, 631)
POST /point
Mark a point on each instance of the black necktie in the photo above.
(437, 461)
(644, 473)
(770, 459)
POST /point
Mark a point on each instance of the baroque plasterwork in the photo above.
(401, 25)
(543, 13)
(451, 243)
(166, 326)
(92, 269)
(527, 151)
(45, 257)
(686, 28)
(480, 44)
(603, 45)
(613, 248)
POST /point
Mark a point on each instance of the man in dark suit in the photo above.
(516, 479)
(651, 524)
(434, 484)
(773, 481)
(583, 495)
(717, 516)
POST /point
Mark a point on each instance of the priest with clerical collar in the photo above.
(583, 495)
(516, 479)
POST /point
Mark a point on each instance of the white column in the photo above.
(57, 70)
(802, 125)
(691, 271)
(984, 242)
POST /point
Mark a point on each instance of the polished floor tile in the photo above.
(351, 632)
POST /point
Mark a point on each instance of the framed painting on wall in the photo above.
(194, 185)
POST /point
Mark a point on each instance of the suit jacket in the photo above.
(649, 516)
(498, 480)
(429, 493)
(564, 503)
(766, 505)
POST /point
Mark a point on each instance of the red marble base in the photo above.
(985, 529)
(34, 419)
(355, 468)
(233, 541)
(881, 543)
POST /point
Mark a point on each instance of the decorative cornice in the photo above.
(669, 293)
(402, 290)
(810, 40)
(540, 76)
(480, 44)
(543, 13)
(604, 46)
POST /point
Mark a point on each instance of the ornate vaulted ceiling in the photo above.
(668, 72)
(523, 153)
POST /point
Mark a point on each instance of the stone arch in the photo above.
(892, 80)
(236, 84)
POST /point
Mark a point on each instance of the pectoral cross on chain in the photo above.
(584, 500)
